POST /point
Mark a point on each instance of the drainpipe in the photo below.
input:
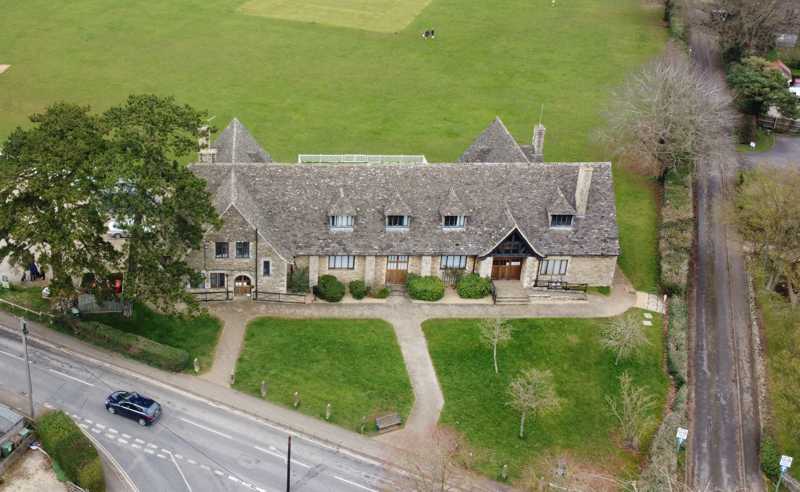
(255, 294)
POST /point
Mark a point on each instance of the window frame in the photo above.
(445, 262)
(226, 254)
(561, 263)
(557, 219)
(334, 222)
(336, 262)
(392, 218)
(242, 257)
(460, 222)
(218, 275)
(266, 268)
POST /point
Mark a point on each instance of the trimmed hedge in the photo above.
(329, 288)
(134, 346)
(425, 288)
(381, 293)
(358, 289)
(72, 450)
(473, 286)
(298, 281)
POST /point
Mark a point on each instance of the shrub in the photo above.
(358, 289)
(329, 288)
(425, 288)
(473, 286)
(381, 293)
(298, 281)
(770, 458)
(677, 346)
(71, 449)
(134, 346)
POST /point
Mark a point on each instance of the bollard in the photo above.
(296, 399)
(196, 365)
(328, 411)
(504, 473)
(263, 389)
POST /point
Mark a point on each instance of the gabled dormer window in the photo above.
(561, 221)
(397, 221)
(340, 221)
(454, 222)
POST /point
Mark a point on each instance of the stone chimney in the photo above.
(538, 143)
(206, 153)
(582, 190)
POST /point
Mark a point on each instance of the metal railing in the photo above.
(212, 295)
(360, 159)
(560, 285)
(288, 297)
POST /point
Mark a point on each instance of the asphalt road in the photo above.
(725, 422)
(196, 445)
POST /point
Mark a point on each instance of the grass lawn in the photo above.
(198, 336)
(355, 365)
(637, 216)
(29, 297)
(764, 142)
(475, 398)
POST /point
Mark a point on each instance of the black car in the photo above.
(134, 406)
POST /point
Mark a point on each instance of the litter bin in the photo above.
(6, 448)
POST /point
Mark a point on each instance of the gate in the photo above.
(396, 269)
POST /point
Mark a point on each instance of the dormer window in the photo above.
(454, 222)
(397, 221)
(340, 221)
(561, 221)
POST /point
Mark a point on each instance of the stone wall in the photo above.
(344, 275)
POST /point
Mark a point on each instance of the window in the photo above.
(454, 221)
(341, 262)
(266, 268)
(397, 221)
(459, 262)
(217, 280)
(340, 221)
(560, 221)
(242, 249)
(553, 267)
(221, 250)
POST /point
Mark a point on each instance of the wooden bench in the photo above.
(388, 422)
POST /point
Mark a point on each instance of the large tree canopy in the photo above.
(748, 27)
(758, 87)
(51, 205)
(165, 207)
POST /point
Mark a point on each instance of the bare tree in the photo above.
(632, 410)
(495, 332)
(767, 213)
(668, 115)
(624, 336)
(437, 463)
(747, 27)
(533, 393)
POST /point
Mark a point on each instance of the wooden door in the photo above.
(241, 286)
(507, 268)
(396, 269)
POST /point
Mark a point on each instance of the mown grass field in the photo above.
(305, 87)
(355, 365)
(584, 373)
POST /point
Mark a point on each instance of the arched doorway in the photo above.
(242, 285)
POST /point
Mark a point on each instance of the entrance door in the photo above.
(396, 269)
(241, 286)
(507, 268)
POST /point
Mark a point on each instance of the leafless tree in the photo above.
(668, 115)
(632, 410)
(495, 332)
(533, 393)
(624, 336)
(767, 213)
(747, 27)
(438, 463)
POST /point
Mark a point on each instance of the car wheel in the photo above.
(142, 422)
(111, 410)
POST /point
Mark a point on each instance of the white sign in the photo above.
(682, 433)
(786, 462)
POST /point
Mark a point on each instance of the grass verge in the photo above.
(764, 142)
(355, 365)
(72, 450)
(584, 373)
(637, 217)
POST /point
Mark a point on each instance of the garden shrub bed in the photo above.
(473, 286)
(329, 288)
(358, 289)
(134, 346)
(72, 450)
(677, 233)
(427, 288)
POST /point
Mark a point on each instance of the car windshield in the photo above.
(151, 410)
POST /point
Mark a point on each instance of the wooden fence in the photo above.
(779, 124)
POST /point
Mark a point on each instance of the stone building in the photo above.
(500, 212)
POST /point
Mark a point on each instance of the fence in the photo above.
(288, 297)
(87, 303)
(779, 124)
(211, 295)
(559, 285)
(360, 159)
(451, 276)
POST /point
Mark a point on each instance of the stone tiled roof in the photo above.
(560, 205)
(236, 144)
(342, 205)
(290, 205)
(453, 205)
(495, 144)
(395, 205)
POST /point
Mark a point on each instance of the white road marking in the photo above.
(186, 482)
(179, 456)
(205, 467)
(217, 472)
(139, 441)
(149, 451)
(126, 436)
(191, 461)
(364, 487)
(234, 479)
(101, 426)
(88, 421)
(162, 456)
(150, 445)
(70, 377)
(96, 431)
(136, 446)
(111, 436)
(75, 415)
(85, 426)
(14, 356)
(207, 428)
(113, 431)
(165, 450)
(281, 457)
(123, 441)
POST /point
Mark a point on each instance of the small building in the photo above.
(500, 212)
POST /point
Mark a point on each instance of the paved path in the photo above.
(785, 154)
(234, 317)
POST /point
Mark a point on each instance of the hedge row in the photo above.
(72, 450)
(676, 233)
(677, 340)
(134, 346)
(473, 286)
(425, 288)
(659, 472)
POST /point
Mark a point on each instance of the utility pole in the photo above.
(289, 466)
(24, 328)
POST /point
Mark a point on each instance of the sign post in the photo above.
(23, 325)
(680, 438)
(785, 463)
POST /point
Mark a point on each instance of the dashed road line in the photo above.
(96, 431)
(149, 451)
(280, 456)
(136, 446)
(121, 440)
(234, 479)
(126, 436)
(207, 428)
(205, 467)
(14, 356)
(363, 487)
(153, 446)
(162, 456)
(85, 426)
(88, 421)
(101, 426)
(186, 482)
(113, 431)
(139, 441)
(111, 436)
(70, 377)
(218, 472)
(179, 456)
(191, 461)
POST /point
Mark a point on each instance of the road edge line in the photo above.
(114, 463)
